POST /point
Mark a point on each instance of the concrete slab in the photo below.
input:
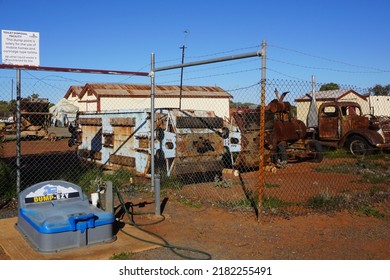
(16, 247)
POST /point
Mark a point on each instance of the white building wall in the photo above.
(220, 106)
(82, 106)
(379, 105)
(90, 106)
(303, 106)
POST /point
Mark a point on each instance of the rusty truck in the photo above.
(343, 124)
(186, 141)
(285, 137)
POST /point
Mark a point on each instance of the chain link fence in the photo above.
(304, 170)
(207, 142)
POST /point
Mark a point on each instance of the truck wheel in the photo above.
(280, 157)
(358, 146)
(314, 149)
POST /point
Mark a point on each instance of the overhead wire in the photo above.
(286, 75)
(324, 68)
(329, 59)
(244, 88)
(45, 77)
(374, 69)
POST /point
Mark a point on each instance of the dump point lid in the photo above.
(58, 206)
(48, 192)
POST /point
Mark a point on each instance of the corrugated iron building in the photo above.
(108, 97)
(73, 94)
(303, 102)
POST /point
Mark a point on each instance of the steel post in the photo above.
(262, 129)
(157, 199)
(109, 197)
(18, 128)
(152, 95)
(208, 61)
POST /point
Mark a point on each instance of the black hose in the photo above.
(165, 243)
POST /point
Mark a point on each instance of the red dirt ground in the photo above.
(35, 147)
(229, 235)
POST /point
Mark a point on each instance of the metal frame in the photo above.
(18, 69)
(261, 53)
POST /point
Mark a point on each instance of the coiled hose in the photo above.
(165, 243)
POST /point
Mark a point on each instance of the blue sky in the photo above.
(341, 41)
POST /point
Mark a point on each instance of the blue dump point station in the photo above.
(55, 215)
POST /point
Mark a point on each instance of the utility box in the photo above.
(55, 215)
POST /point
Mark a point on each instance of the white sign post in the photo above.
(20, 47)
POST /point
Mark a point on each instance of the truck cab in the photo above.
(342, 124)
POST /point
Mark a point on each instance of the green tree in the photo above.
(5, 108)
(381, 90)
(33, 96)
(329, 86)
(241, 104)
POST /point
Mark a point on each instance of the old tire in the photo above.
(280, 156)
(358, 146)
(314, 149)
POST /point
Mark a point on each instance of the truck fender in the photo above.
(372, 136)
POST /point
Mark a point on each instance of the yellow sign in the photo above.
(44, 198)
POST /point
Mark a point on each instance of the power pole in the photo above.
(181, 74)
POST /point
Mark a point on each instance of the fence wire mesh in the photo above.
(207, 144)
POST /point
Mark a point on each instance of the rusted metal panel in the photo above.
(283, 135)
(122, 160)
(75, 70)
(139, 90)
(90, 121)
(353, 122)
(196, 145)
(143, 142)
(329, 128)
(249, 120)
(384, 126)
(121, 138)
(84, 153)
(122, 122)
(192, 145)
(199, 122)
(108, 140)
(291, 130)
(248, 158)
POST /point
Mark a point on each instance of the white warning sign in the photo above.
(20, 47)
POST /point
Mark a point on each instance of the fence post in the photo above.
(109, 197)
(262, 129)
(18, 128)
(157, 198)
(152, 94)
